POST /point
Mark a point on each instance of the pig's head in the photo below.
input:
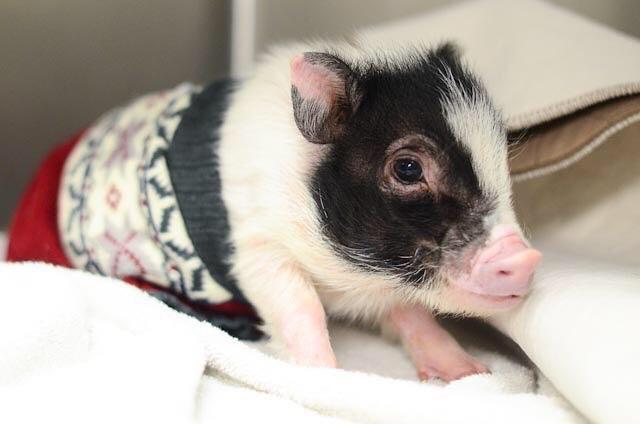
(415, 183)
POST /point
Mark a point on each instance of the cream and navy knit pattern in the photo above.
(119, 212)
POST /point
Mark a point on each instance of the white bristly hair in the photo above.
(476, 125)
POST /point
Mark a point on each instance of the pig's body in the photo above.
(365, 186)
(271, 204)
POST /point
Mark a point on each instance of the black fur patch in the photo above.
(376, 230)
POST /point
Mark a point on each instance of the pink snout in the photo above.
(502, 268)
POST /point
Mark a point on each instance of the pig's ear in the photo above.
(325, 94)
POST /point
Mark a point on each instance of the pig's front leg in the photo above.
(294, 317)
(302, 327)
(434, 352)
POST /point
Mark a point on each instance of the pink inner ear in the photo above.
(315, 82)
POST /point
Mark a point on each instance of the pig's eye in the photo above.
(410, 169)
(407, 170)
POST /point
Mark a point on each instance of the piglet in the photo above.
(373, 188)
(337, 181)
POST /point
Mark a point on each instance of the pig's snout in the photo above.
(503, 267)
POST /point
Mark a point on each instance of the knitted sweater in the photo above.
(139, 199)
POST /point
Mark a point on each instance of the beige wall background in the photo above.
(329, 17)
(64, 62)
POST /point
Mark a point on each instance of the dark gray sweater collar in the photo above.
(194, 170)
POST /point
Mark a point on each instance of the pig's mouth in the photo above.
(483, 301)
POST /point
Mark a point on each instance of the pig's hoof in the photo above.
(452, 368)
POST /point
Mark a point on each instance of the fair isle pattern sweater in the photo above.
(134, 202)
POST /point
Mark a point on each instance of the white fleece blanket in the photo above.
(81, 348)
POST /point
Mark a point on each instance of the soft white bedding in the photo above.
(82, 348)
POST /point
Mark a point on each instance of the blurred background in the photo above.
(64, 62)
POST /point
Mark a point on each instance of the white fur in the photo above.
(477, 126)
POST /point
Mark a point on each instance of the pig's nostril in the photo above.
(504, 273)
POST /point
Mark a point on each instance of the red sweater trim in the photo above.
(33, 233)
